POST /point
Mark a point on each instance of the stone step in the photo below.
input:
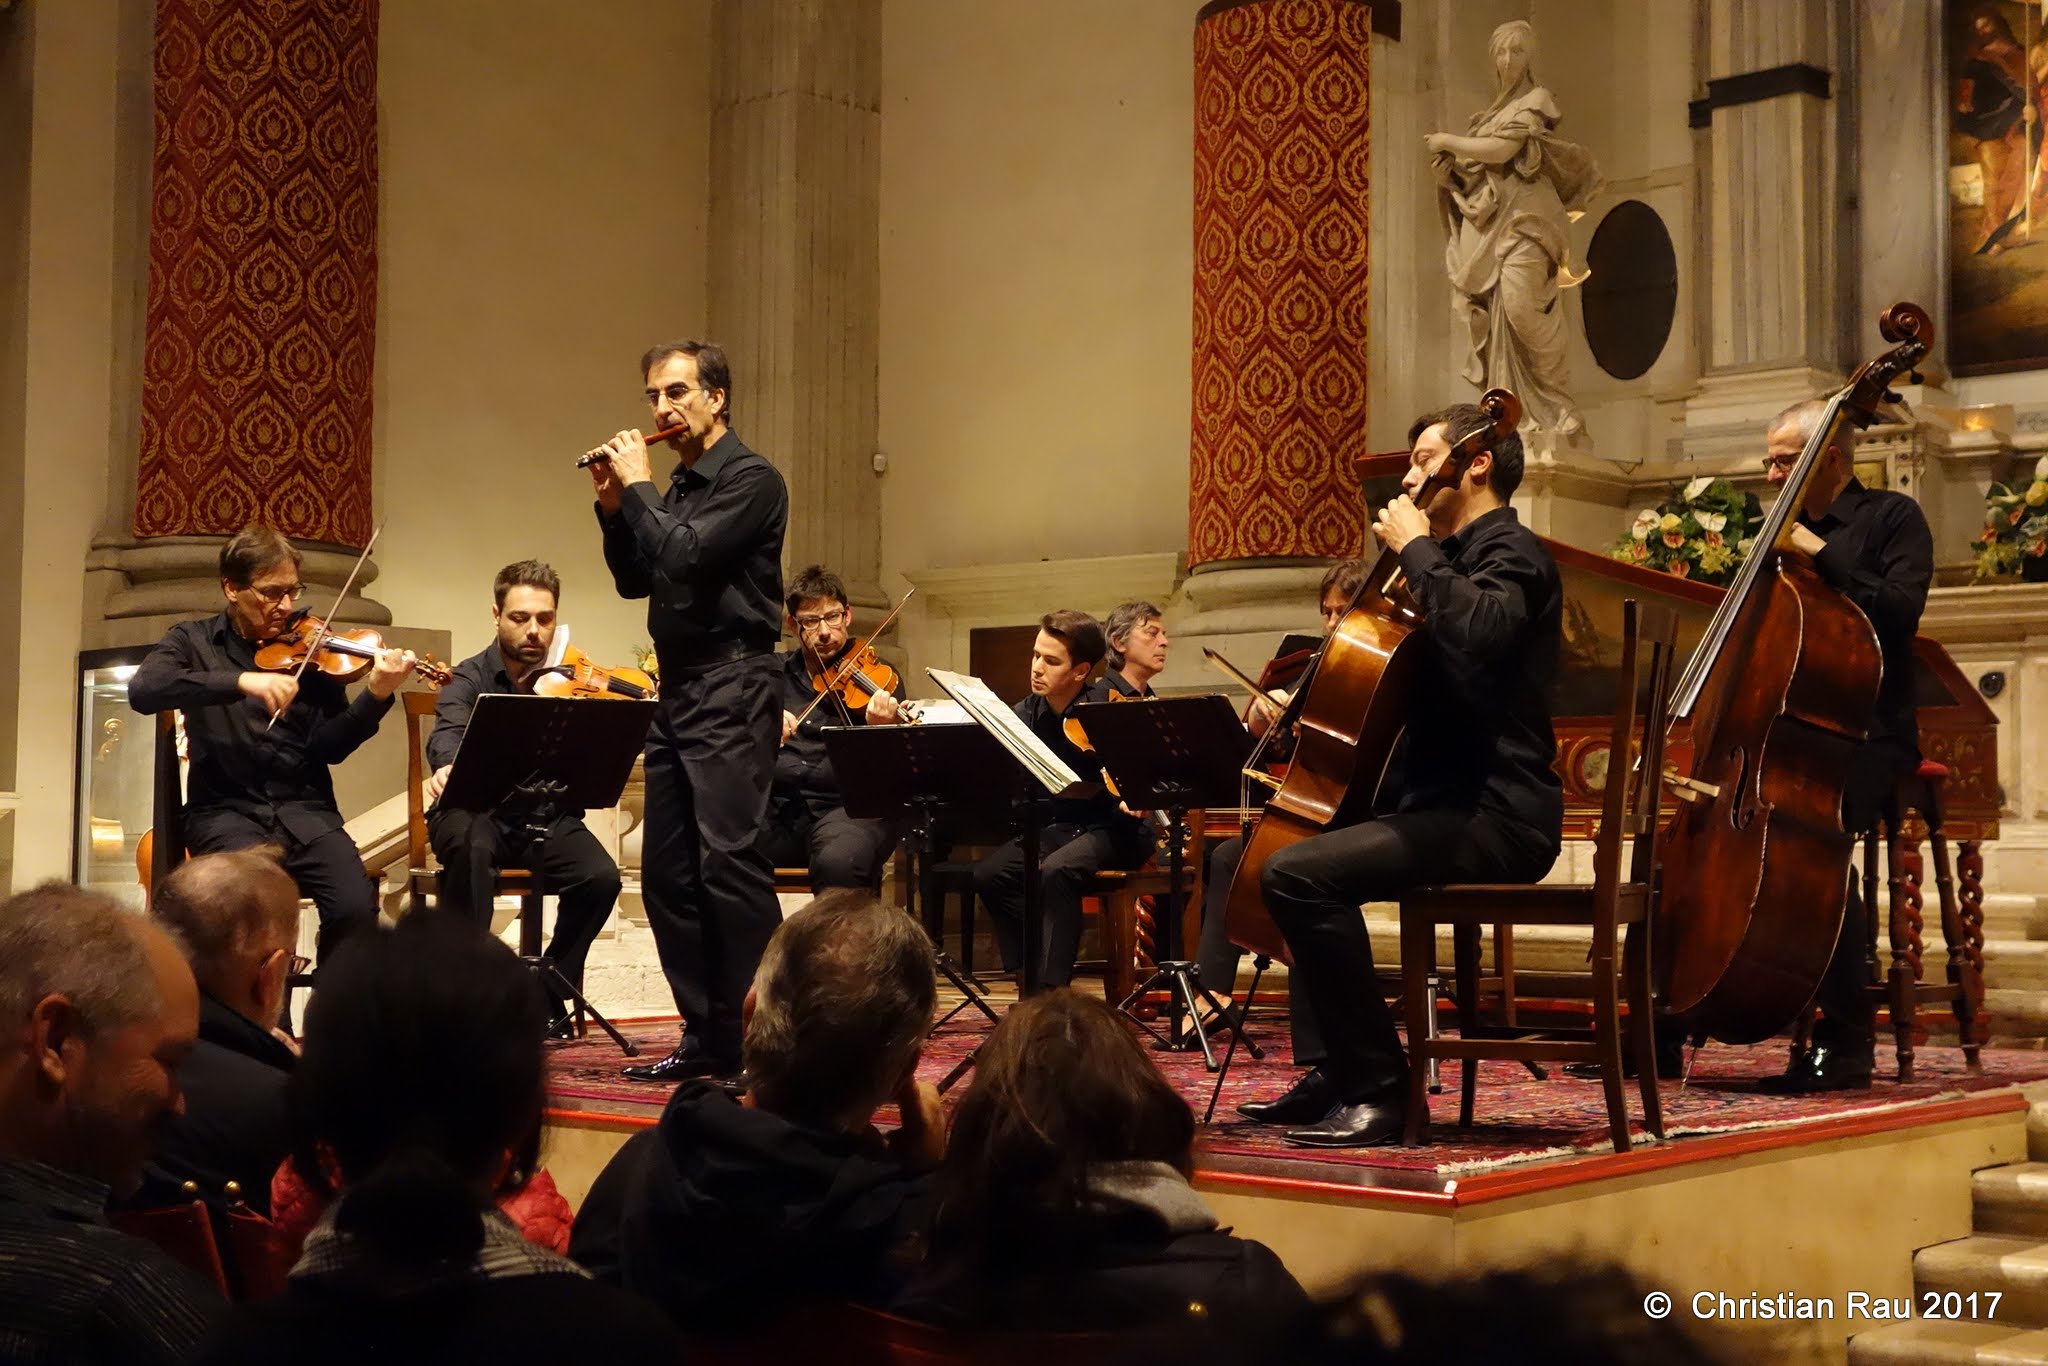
(2016, 1014)
(2012, 1199)
(2015, 915)
(2014, 1266)
(2009, 964)
(2037, 1131)
(1927, 1342)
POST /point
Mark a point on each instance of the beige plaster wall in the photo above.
(16, 57)
(1037, 192)
(543, 220)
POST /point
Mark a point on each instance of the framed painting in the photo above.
(1997, 184)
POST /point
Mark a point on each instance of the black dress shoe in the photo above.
(1305, 1102)
(1825, 1067)
(561, 1029)
(1361, 1124)
(687, 1060)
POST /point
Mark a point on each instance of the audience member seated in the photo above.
(1587, 1314)
(742, 1208)
(98, 1010)
(238, 917)
(422, 1082)
(1063, 1203)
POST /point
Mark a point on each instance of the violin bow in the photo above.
(845, 670)
(320, 636)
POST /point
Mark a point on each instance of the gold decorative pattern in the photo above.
(262, 270)
(1282, 152)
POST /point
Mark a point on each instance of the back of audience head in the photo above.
(423, 1080)
(238, 915)
(1570, 1310)
(99, 1010)
(1060, 1086)
(839, 1011)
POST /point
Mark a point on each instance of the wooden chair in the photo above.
(263, 1254)
(1606, 906)
(1916, 802)
(184, 1232)
(423, 876)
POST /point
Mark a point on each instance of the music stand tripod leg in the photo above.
(1260, 962)
(539, 820)
(920, 852)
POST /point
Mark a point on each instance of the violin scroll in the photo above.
(1506, 411)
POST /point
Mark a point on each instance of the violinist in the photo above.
(261, 743)
(1137, 649)
(706, 553)
(1873, 546)
(807, 822)
(474, 845)
(1469, 795)
(1080, 836)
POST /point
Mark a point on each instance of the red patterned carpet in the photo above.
(1517, 1119)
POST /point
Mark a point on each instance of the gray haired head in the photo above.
(62, 940)
(1807, 415)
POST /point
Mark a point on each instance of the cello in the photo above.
(1348, 714)
(1779, 695)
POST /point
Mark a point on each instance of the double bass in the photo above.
(1357, 698)
(1779, 695)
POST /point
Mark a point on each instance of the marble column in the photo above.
(795, 282)
(1776, 326)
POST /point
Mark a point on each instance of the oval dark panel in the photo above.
(1632, 295)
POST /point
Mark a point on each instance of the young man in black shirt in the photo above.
(1078, 837)
(474, 845)
(706, 553)
(1872, 546)
(807, 823)
(1137, 649)
(1469, 794)
(261, 743)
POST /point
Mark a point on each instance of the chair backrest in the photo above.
(1631, 804)
(183, 1232)
(166, 834)
(264, 1253)
(419, 710)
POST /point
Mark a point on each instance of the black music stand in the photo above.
(541, 756)
(890, 772)
(1174, 754)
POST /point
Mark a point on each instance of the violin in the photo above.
(343, 656)
(859, 675)
(576, 676)
(1754, 873)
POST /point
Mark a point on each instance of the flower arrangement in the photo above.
(1701, 532)
(2015, 535)
(647, 661)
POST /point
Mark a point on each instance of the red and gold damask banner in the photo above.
(261, 323)
(1282, 143)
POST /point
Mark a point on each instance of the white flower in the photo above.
(2041, 468)
(1711, 521)
(1697, 487)
(1645, 523)
(1745, 544)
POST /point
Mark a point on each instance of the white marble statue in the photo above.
(1508, 189)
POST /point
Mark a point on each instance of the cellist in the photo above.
(1469, 794)
(1873, 547)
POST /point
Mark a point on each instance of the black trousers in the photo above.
(328, 868)
(1218, 959)
(1069, 858)
(709, 891)
(575, 869)
(838, 850)
(1315, 888)
(1868, 795)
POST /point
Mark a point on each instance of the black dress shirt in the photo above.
(1880, 555)
(802, 767)
(1116, 685)
(235, 1125)
(73, 1289)
(1099, 811)
(482, 673)
(707, 556)
(1479, 736)
(276, 776)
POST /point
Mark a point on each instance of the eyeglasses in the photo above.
(1785, 462)
(295, 590)
(674, 393)
(832, 618)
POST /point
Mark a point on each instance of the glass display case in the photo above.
(116, 775)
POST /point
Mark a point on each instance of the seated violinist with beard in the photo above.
(807, 824)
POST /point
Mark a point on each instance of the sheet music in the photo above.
(995, 716)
